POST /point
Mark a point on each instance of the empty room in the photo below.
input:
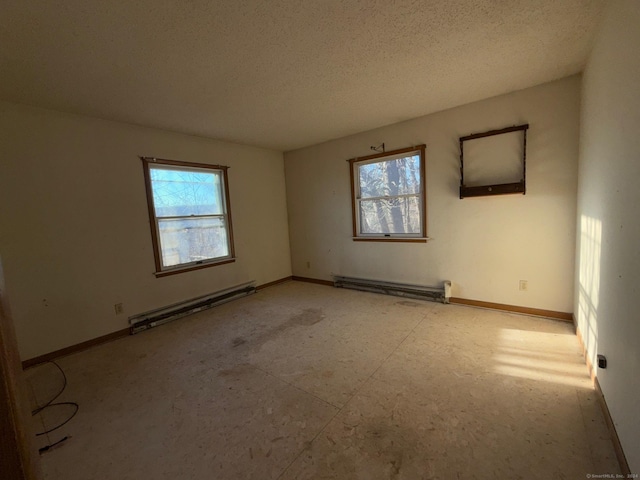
(319, 240)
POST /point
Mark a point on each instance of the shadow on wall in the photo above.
(589, 251)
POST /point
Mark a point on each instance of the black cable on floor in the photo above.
(53, 403)
(74, 404)
(49, 447)
(64, 385)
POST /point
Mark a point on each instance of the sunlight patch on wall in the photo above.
(589, 282)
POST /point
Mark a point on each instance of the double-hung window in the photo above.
(389, 196)
(189, 213)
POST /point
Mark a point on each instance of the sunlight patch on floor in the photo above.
(535, 355)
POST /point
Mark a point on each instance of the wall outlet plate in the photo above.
(602, 361)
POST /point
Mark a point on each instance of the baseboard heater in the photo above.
(436, 294)
(153, 318)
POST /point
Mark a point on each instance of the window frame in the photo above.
(354, 164)
(148, 163)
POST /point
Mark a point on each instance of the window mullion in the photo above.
(389, 197)
(179, 217)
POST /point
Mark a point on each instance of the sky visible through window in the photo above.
(184, 192)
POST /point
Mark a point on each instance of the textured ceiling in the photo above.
(283, 73)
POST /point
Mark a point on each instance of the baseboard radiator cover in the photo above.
(420, 292)
(154, 318)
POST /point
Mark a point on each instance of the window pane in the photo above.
(392, 215)
(399, 176)
(192, 239)
(183, 193)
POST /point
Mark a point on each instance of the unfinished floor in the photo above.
(303, 381)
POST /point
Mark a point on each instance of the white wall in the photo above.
(74, 225)
(607, 301)
(484, 245)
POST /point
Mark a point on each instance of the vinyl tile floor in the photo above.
(304, 381)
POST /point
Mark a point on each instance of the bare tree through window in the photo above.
(389, 195)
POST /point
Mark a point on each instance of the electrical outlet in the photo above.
(524, 285)
(118, 308)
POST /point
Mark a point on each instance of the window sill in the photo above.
(392, 239)
(193, 267)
